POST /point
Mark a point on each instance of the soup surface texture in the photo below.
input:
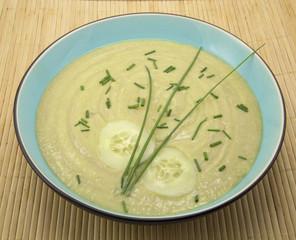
(90, 114)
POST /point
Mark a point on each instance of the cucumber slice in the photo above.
(171, 174)
(117, 141)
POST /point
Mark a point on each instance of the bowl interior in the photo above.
(150, 26)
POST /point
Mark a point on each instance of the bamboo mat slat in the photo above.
(31, 210)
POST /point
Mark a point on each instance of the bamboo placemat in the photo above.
(30, 210)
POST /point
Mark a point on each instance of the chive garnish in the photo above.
(243, 107)
(152, 59)
(181, 88)
(84, 130)
(241, 157)
(148, 53)
(214, 130)
(155, 65)
(159, 107)
(204, 69)
(169, 69)
(214, 96)
(108, 103)
(226, 134)
(130, 67)
(107, 78)
(201, 75)
(87, 114)
(138, 85)
(163, 125)
(82, 123)
(206, 157)
(78, 179)
(197, 165)
(83, 120)
(169, 112)
(210, 76)
(170, 87)
(215, 144)
(81, 87)
(124, 206)
(196, 198)
(133, 106)
(222, 168)
(177, 120)
(218, 116)
(142, 102)
(138, 100)
(198, 127)
(109, 88)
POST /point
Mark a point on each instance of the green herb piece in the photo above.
(241, 157)
(181, 88)
(82, 123)
(87, 114)
(198, 127)
(135, 106)
(148, 53)
(201, 75)
(81, 87)
(214, 96)
(204, 69)
(243, 107)
(206, 157)
(142, 102)
(226, 134)
(215, 144)
(159, 107)
(214, 130)
(210, 76)
(169, 69)
(78, 179)
(124, 206)
(152, 59)
(155, 65)
(130, 67)
(218, 116)
(163, 125)
(108, 103)
(197, 165)
(222, 168)
(172, 85)
(138, 100)
(84, 130)
(177, 120)
(196, 198)
(138, 85)
(169, 112)
(109, 88)
(107, 78)
(83, 120)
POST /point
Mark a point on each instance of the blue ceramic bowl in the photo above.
(150, 26)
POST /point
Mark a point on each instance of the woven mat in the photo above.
(31, 210)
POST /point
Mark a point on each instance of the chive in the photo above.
(77, 124)
(206, 157)
(210, 76)
(204, 69)
(170, 87)
(181, 88)
(169, 112)
(241, 157)
(201, 75)
(226, 134)
(218, 116)
(84, 130)
(243, 107)
(133, 106)
(108, 103)
(153, 51)
(198, 127)
(152, 59)
(213, 95)
(155, 65)
(163, 125)
(81, 87)
(82, 123)
(196, 198)
(87, 114)
(177, 120)
(142, 102)
(138, 100)
(138, 85)
(215, 144)
(124, 206)
(197, 165)
(169, 69)
(83, 120)
(214, 130)
(107, 78)
(222, 168)
(78, 179)
(130, 67)
(109, 88)
(159, 107)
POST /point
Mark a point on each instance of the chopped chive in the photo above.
(198, 127)
(84, 130)
(226, 134)
(109, 88)
(138, 85)
(215, 144)
(138, 100)
(130, 67)
(108, 103)
(155, 65)
(213, 95)
(214, 130)
(133, 106)
(241, 157)
(81, 87)
(204, 69)
(163, 125)
(84, 124)
(83, 120)
(201, 75)
(206, 157)
(243, 107)
(77, 124)
(147, 53)
(159, 107)
(152, 59)
(124, 206)
(181, 88)
(169, 69)
(105, 80)
(170, 87)
(142, 102)
(222, 168)
(218, 116)
(169, 112)
(210, 76)
(87, 114)
(78, 179)
(197, 165)
(196, 198)
(177, 120)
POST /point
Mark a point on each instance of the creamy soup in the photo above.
(90, 115)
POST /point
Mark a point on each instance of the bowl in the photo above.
(150, 26)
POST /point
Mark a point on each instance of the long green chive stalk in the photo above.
(140, 133)
(130, 185)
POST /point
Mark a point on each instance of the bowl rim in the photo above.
(133, 218)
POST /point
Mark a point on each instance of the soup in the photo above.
(90, 116)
